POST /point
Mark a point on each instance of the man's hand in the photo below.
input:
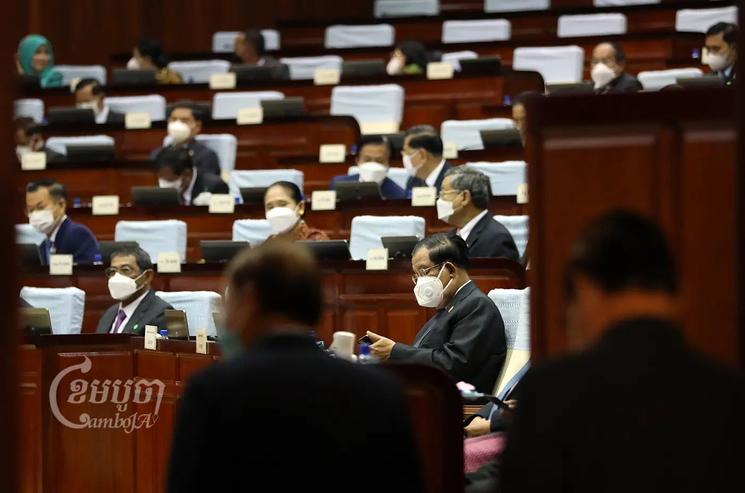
(477, 427)
(381, 346)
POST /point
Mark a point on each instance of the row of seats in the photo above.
(167, 236)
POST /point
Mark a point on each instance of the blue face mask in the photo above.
(230, 344)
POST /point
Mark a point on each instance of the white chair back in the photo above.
(225, 105)
(371, 106)
(199, 71)
(304, 68)
(405, 8)
(27, 234)
(199, 307)
(454, 58)
(152, 104)
(342, 36)
(72, 72)
(591, 25)
(514, 306)
(556, 64)
(224, 41)
(700, 20)
(504, 177)
(399, 176)
(518, 228)
(59, 144)
(476, 31)
(224, 145)
(367, 230)
(465, 134)
(654, 80)
(257, 178)
(515, 5)
(66, 306)
(30, 107)
(154, 237)
(254, 231)
(622, 3)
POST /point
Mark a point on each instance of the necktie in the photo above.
(119, 319)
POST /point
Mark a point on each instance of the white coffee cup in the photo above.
(343, 345)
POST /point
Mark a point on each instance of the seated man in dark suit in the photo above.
(373, 161)
(422, 157)
(607, 70)
(89, 95)
(638, 409)
(250, 47)
(130, 276)
(341, 416)
(466, 335)
(721, 51)
(176, 170)
(29, 139)
(184, 123)
(46, 204)
(464, 203)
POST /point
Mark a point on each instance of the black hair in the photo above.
(415, 53)
(473, 180)
(56, 189)
(196, 110)
(420, 129)
(622, 250)
(94, 83)
(151, 48)
(291, 188)
(28, 125)
(432, 143)
(524, 96)
(141, 256)
(256, 39)
(375, 140)
(729, 30)
(285, 278)
(445, 247)
(177, 159)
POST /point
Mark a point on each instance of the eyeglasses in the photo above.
(423, 272)
(124, 270)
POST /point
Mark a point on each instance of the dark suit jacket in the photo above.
(72, 239)
(269, 61)
(285, 416)
(388, 188)
(52, 155)
(491, 239)
(728, 78)
(114, 117)
(466, 339)
(623, 83)
(415, 181)
(203, 157)
(207, 182)
(638, 412)
(148, 312)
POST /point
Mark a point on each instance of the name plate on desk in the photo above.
(332, 153)
(379, 127)
(201, 341)
(169, 262)
(449, 150)
(377, 259)
(60, 265)
(326, 76)
(105, 205)
(423, 196)
(250, 116)
(137, 120)
(222, 81)
(33, 161)
(221, 203)
(151, 332)
(522, 193)
(439, 70)
(323, 200)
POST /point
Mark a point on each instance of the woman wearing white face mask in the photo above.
(466, 335)
(148, 55)
(410, 57)
(284, 206)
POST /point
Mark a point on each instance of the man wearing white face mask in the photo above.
(46, 203)
(607, 70)
(176, 170)
(721, 51)
(89, 95)
(373, 161)
(130, 276)
(464, 203)
(185, 123)
(422, 158)
(466, 335)
(29, 139)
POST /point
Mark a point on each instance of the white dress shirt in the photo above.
(432, 178)
(53, 235)
(128, 312)
(102, 115)
(466, 230)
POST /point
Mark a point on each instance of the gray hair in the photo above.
(141, 256)
(473, 180)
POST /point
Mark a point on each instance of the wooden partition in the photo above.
(355, 299)
(76, 438)
(669, 155)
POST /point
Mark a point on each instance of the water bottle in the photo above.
(97, 259)
(696, 53)
(365, 358)
(164, 333)
(507, 101)
(76, 202)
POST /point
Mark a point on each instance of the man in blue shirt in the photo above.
(373, 160)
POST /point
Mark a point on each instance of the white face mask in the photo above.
(409, 166)
(89, 105)
(22, 151)
(178, 131)
(429, 290)
(444, 209)
(717, 61)
(176, 184)
(122, 287)
(373, 172)
(394, 67)
(602, 75)
(281, 219)
(133, 64)
(42, 221)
